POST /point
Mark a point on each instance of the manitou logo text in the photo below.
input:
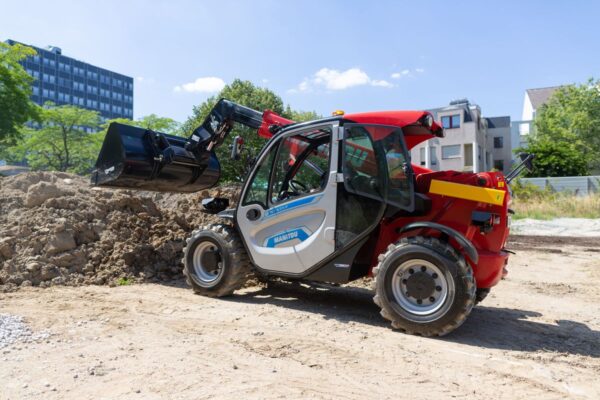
(290, 236)
(286, 236)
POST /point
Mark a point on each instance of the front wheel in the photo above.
(424, 286)
(215, 261)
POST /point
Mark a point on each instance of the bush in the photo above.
(528, 191)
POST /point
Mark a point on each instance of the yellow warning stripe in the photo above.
(467, 192)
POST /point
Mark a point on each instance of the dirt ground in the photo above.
(536, 336)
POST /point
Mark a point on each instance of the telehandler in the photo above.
(332, 200)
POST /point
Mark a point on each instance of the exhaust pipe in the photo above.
(142, 159)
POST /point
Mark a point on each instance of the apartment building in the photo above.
(472, 143)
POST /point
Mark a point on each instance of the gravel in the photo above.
(13, 329)
(573, 227)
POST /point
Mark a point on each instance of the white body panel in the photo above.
(292, 236)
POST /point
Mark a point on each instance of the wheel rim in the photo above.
(421, 288)
(207, 263)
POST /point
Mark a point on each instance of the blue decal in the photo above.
(286, 236)
(292, 204)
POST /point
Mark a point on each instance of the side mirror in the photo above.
(526, 163)
(527, 160)
(236, 147)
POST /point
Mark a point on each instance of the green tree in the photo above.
(571, 119)
(15, 89)
(60, 142)
(300, 116)
(556, 158)
(153, 122)
(249, 95)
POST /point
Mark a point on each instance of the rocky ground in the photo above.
(55, 229)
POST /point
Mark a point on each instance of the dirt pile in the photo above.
(55, 229)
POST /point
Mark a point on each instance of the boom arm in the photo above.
(220, 122)
(138, 158)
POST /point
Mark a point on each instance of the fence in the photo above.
(579, 185)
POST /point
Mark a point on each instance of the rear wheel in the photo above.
(215, 261)
(424, 286)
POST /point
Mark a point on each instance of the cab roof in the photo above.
(411, 122)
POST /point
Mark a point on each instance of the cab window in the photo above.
(301, 166)
(377, 164)
(258, 190)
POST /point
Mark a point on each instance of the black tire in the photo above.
(230, 256)
(455, 302)
(481, 294)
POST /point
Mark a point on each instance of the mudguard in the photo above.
(463, 241)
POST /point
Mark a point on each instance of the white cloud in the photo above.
(407, 73)
(208, 84)
(401, 74)
(333, 79)
(382, 83)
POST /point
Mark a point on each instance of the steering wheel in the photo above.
(297, 186)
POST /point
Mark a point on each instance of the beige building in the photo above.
(472, 143)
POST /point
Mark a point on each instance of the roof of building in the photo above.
(539, 96)
(498, 122)
(57, 51)
(462, 105)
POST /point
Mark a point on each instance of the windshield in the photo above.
(370, 148)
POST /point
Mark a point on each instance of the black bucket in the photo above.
(142, 159)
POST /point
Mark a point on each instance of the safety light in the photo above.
(337, 113)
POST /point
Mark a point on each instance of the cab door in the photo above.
(287, 211)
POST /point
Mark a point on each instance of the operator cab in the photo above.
(318, 192)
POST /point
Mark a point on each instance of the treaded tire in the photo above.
(481, 294)
(235, 262)
(455, 308)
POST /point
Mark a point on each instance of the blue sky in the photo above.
(323, 55)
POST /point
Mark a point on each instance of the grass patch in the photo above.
(124, 282)
(532, 202)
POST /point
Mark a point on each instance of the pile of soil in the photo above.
(56, 229)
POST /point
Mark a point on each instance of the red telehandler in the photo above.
(332, 200)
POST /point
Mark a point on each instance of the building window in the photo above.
(468, 154)
(432, 155)
(452, 151)
(499, 165)
(422, 155)
(498, 142)
(451, 121)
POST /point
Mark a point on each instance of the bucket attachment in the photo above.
(142, 159)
